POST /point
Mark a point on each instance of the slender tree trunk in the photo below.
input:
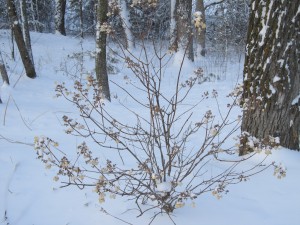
(37, 11)
(29, 67)
(81, 18)
(181, 27)
(25, 28)
(124, 14)
(101, 36)
(200, 32)
(3, 70)
(272, 72)
(60, 17)
(33, 16)
(173, 27)
(12, 43)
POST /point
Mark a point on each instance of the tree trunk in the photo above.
(81, 18)
(173, 27)
(101, 35)
(12, 44)
(3, 70)
(60, 17)
(12, 13)
(181, 27)
(34, 24)
(25, 28)
(124, 14)
(272, 72)
(200, 32)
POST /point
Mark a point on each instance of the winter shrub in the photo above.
(160, 155)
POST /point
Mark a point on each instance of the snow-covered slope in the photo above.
(28, 194)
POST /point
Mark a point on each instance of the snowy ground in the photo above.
(28, 194)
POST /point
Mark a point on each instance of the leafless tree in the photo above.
(60, 16)
(200, 27)
(25, 28)
(3, 70)
(102, 29)
(181, 27)
(17, 31)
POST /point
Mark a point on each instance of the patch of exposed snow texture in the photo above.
(22, 201)
(296, 100)
(164, 187)
(265, 19)
(276, 79)
(211, 2)
(298, 12)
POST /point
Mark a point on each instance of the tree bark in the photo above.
(81, 18)
(101, 36)
(201, 33)
(181, 27)
(60, 17)
(33, 16)
(25, 28)
(3, 70)
(124, 14)
(16, 28)
(272, 72)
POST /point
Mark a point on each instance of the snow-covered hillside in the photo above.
(30, 196)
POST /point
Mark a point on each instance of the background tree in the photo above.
(102, 28)
(60, 16)
(181, 27)
(124, 14)
(25, 28)
(3, 70)
(272, 72)
(227, 26)
(41, 15)
(16, 28)
(80, 17)
(4, 24)
(200, 32)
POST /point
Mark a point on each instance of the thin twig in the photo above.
(4, 118)
(14, 141)
(21, 114)
(107, 213)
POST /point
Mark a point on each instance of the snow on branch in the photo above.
(209, 3)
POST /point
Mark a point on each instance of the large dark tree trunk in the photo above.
(16, 28)
(60, 17)
(101, 35)
(272, 72)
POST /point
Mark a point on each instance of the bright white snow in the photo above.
(28, 194)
